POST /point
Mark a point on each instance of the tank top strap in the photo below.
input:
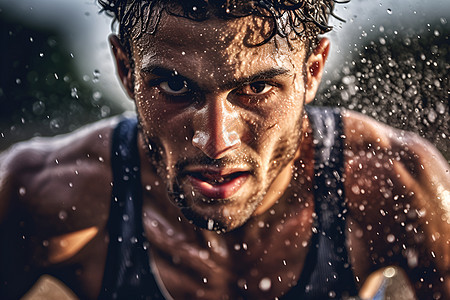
(127, 271)
(326, 273)
(332, 265)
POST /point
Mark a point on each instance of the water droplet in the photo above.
(62, 215)
(265, 284)
(74, 92)
(210, 224)
(389, 272)
(389, 11)
(390, 238)
(96, 75)
(96, 96)
(22, 191)
(55, 124)
(38, 107)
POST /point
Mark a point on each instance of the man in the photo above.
(225, 186)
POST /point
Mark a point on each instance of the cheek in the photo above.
(281, 125)
(163, 123)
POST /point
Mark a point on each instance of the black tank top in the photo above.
(326, 274)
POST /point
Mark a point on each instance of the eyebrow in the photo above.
(233, 83)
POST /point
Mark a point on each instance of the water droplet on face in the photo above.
(210, 224)
(265, 284)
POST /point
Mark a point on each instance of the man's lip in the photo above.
(214, 170)
(209, 183)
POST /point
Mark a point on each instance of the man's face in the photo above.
(224, 118)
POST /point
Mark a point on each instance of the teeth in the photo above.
(212, 178)
(215, 179)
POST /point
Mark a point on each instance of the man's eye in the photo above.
(174, 86)
(256, 88)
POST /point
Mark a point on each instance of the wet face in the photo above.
(223, 119)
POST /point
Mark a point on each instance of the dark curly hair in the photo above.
(306, 18)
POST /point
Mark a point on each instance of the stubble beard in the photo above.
(223, 218)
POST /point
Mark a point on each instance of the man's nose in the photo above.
(217, 127)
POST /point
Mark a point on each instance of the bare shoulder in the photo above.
(398, 194)
(385, 165)
(50, 178)
(402, 153)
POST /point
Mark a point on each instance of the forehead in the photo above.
(217, 45)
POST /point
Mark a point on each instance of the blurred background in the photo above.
(389, 60)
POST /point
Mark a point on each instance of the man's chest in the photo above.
(264, 262)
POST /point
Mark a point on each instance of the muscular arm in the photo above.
(397, 187)
(16, 275)
(54, 204)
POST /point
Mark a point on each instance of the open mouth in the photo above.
(217, 185)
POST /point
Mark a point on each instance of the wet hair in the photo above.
(305, 18)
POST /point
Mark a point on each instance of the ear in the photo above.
(123, 65)
(315, 65)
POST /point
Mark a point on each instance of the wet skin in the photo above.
(226, 123)
(225, 118)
